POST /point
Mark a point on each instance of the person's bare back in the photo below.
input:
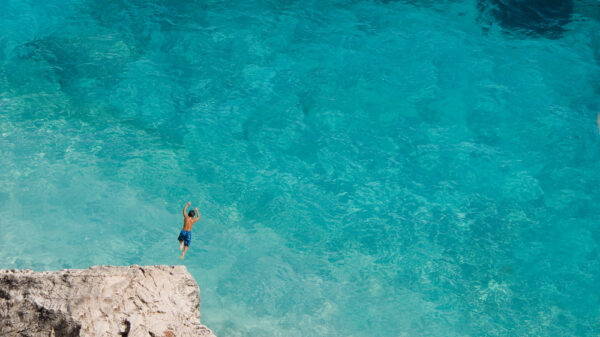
(185, 236)
(188, 221)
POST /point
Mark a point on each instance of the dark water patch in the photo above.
(545, 18)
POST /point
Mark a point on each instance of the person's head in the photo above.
(191, 214)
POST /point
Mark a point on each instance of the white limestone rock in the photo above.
(101, 301)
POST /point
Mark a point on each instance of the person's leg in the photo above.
(184, 251)
(181, 238)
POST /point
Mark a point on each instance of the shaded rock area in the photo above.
(132, 301)
(533, 17)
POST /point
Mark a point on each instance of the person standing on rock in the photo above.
(189, 219)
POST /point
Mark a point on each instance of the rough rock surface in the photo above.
(101, 301)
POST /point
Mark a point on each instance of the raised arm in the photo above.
(185, 209)
(197, 216)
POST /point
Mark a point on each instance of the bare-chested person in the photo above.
(189, 219)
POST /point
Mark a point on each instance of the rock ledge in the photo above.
(132, 301)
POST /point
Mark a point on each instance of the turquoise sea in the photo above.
(363, 168)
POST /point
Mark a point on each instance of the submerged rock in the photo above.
(533, 17)
(101, 301)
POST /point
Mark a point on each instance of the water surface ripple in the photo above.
(380, 168)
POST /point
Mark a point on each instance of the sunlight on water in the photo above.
(385, 168)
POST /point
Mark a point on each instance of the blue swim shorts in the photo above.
(186, 237)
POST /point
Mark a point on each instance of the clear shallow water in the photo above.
(381, 168)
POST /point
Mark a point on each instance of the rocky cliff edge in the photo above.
(149, 301)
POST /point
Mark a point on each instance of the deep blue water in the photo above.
(363, 168)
